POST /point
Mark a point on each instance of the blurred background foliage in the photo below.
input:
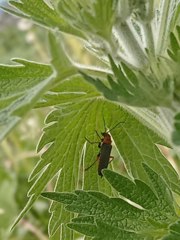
(20, 38)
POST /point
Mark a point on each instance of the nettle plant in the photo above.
(136, 80)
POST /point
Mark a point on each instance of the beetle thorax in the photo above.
(106, 138)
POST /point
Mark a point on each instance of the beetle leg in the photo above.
(99, 145)
(112, 158)
(93, 162)
(90, 141)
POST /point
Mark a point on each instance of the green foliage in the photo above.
(174, 232)
(94, 17)
(174, 54)
(41, 13)
(136, 88)
(111, 218)
(174, 43)
(176, 132)
(134, 85)
(61, 137)
(20, 87)
(8, 207)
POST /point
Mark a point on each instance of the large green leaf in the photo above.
(79, 110)
(64, 138)
(115, 218)
(20, 88)
(68, 86)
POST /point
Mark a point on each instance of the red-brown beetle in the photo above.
(104, 156)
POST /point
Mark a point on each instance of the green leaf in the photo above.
(174, 232)
(144, 10)
(135, 88)
(176, 130)
(174, 53)
(93, 17)
(110, 233)
(79, 111)
(20, 88)
(108, 217)
(41, 13)
(136, 191)
(167, 19)
(174, 43)
(59, 58)
(68, 152)
(68, 86)
(174, 49)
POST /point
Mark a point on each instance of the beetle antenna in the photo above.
(105, 128)
(115, 126)
(98, 134)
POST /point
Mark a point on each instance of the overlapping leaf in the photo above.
(65, 138)
(102, 217)
(135, 88)
(20, 87)
(176, 132)
(174, 53)
(93, 17)
(174, 230)
(62, 142)
(41, 13)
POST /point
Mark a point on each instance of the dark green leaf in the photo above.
(106, 218)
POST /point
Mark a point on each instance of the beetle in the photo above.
(104, 156)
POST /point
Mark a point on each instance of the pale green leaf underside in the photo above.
(135, 88)
(20, 88)
(102, 217)
(67, 127)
